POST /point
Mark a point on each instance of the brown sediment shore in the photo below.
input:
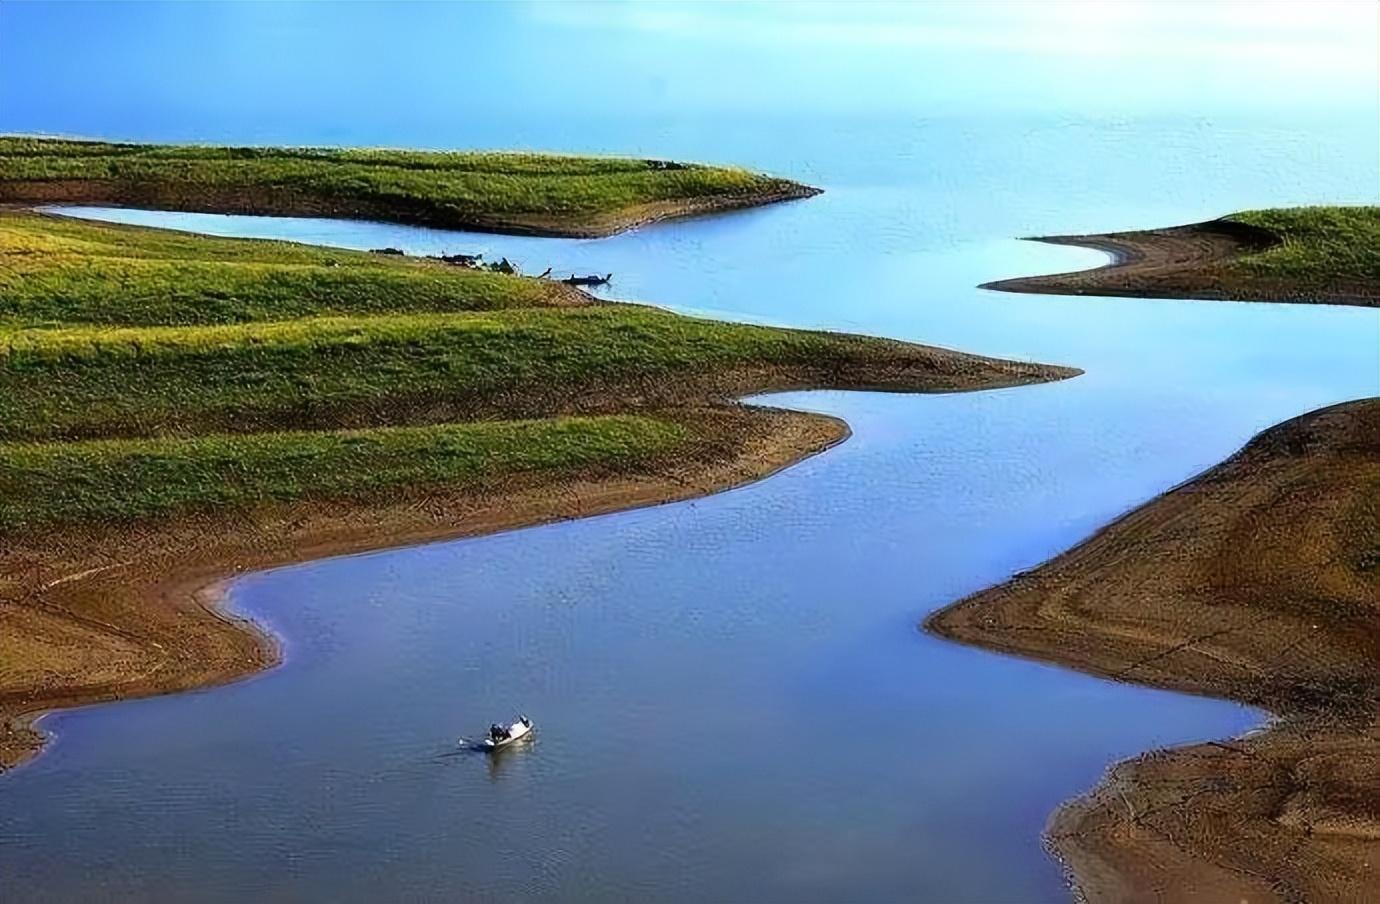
(1191, 262)
(95, 610)
(103, 614)
(283, 202)
(1257, 581)
(98, 613)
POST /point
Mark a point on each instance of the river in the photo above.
(733, 697)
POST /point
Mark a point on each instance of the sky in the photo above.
(184, 71)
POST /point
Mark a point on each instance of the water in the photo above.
(742, 636)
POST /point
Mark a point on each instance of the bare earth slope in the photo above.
(1259, 581)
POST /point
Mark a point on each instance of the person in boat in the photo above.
(497, 732)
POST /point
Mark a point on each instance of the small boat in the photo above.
(594, 280)
(460, 260)
(501, 737)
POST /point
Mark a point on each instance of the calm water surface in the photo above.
(697, 669)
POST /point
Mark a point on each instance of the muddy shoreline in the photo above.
(145, 603)
(1258, 581)
(1185, 262)
(96, 612)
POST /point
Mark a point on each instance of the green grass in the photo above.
(126, 331)
(146, 373)
(44, 484)
(1319, 245)
(454, 188)
(85, 381)
(56, 270)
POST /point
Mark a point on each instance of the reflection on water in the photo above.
(734, 701)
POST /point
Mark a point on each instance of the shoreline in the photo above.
(37, 195)
(508, 192)
(1189, 262)
(1253, 581)
(109, 608)
(220, 647)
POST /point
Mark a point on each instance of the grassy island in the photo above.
(540, 194)
(1323, 255)
(177, 408)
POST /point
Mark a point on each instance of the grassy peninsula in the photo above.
(1320, 255)
(177, 408)
(540, 194)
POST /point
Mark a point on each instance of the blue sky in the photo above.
(184, 70)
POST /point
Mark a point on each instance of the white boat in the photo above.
(501, 737)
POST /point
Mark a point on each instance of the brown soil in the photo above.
(96, 615)
(1184, 262)
(285, 203)
(1259, 581)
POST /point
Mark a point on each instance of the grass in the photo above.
(90, 381)
(56, 270)
(146, 373)
(485, 190)
(118, 331)
(1318, 244)
(43, 484)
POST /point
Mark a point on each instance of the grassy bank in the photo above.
(1302, 255)
(510, 192)
(129, 356)
(175, 409)
(1315, 245)
(323, 372)
(45, 484)
(115, 594)
(57, 270)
